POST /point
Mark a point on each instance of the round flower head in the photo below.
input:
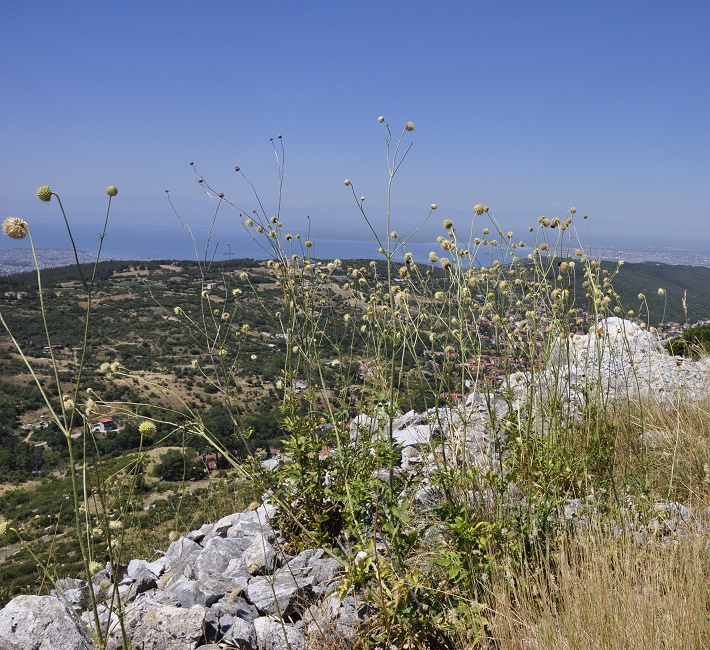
(44, 193)
(478, 208)
(409, 126)
(381, 119)
(112, 190)
(15, 227)
(147, 428)
(346, 182)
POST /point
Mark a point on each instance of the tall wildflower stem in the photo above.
(73, 245)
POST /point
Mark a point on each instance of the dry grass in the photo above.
(610, 593)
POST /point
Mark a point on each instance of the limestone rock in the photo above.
(274, 635)
(152, 626)
(41, 623)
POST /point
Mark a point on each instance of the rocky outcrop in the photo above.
(227, 582)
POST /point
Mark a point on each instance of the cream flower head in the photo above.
(15, 227)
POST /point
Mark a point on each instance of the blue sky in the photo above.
(529, 108)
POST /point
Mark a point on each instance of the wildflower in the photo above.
(486, 231)
(409, 126)
(253, 357)
(205, 294)
(394, 234)
(250, 222)
(222, 352)
(68, 402)
(346, 182)
(661, 292)
(236, 292)
(445, 263)
(94, 567)
(115, 524)
(309, 243)
(44, 193)
(147, 429)
(381, 119)
(478, 208)
(245, 328)
(433, 206)
(572, 210)
(433, 257)
(112, 190)
(173, 536)
(260, 229)
(641, 297)
(543, 246)
(89, 407)
(448, 224)
(363, 328)
(114, 366)
(178, 311)
(225, 315)
(15, 228)
(104, 367)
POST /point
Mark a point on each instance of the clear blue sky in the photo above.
(527, 107)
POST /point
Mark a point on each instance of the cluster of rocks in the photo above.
(227, 583)
(624, 361)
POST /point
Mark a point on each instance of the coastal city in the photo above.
(19, 260)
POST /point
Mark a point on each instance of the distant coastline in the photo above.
(19, 260)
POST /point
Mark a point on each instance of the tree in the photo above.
(175, 465)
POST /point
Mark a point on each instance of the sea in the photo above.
(174, 243)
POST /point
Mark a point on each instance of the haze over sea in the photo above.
(172, 242)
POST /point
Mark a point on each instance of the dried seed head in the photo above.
(112, 190)
(15, 228)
